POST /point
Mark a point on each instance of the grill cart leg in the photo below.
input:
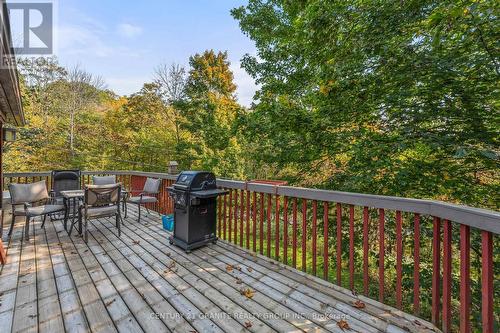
(139, 219)
(43, 222)
(27, 229)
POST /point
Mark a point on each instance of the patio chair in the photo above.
(107, 180)
(101, 201)
(29, 195)
(63, 180)
(148, 195)
(104, 180)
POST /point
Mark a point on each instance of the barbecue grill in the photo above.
(195, 204)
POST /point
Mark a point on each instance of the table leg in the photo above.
(80, 229)
(66, 213)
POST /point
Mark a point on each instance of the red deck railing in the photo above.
(425, 257)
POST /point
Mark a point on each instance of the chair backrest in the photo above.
(102, 195)
(152, 185)
(65, 180)
(28, 193)
(104, 180)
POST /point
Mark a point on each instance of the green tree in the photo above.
(211, 111)
(385, 97)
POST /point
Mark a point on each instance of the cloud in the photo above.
(82, 40)
(128, 30)
(246, 86)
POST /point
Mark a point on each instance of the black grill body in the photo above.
(195, 205)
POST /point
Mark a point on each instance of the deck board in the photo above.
(139, 282)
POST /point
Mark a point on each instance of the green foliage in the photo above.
(210, 114)
(387, 97)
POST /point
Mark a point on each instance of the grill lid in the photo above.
(195, 181)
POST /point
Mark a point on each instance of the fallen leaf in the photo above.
(238, 268)
(136, 242)
(110, 302)
(168, 254)
(359, 305)
(354, 292)
(249, 269)
(343, 325)
(248, 324)
(247, 292)
(229, 268)
(171, 264)
(239, 281)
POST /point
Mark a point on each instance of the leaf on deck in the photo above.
(110, 302)
(343, 325)
(249, 269)
(248, 324)
(229, 268)
(247, 292)
(136, 242)
(359, 305)
(239, 281)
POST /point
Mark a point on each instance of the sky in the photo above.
(124, 41)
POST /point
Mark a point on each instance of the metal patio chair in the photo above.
(107, 180)
(104, 180)
(148, 195)
(30, 196)
(64, 180)
(101, 201)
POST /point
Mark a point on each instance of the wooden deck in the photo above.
(139, 282)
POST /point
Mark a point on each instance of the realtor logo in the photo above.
(32, 27)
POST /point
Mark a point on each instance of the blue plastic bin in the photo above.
(168, 222)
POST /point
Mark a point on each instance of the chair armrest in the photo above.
(26, 206)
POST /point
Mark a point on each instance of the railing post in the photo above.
(399, 259)
(465, 279)
(487, 281)
(326, 255)
(381, 255)
(365, 250)
(339, 244)
(416, 265)
(351, 247)
(436, 258)
(446, 276)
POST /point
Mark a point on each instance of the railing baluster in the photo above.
(304, 234)
(416, 265)
(248, 219)
(230, 222)
(277, 228)
(381, 256)
(314, 235)
(261, 229)
(219, 216)
(225, 217)
(325, 240)
(268, 234)
(235, 231)
(351, 247)
(365, 250)
(285, 230)
(399, 259)
(436, 258)
(242, 210)
(465, 326)
(487, 281)
(447, 276)
(294, 233)
(339, 244)
(254, 220)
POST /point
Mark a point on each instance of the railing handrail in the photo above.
(483, 219)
